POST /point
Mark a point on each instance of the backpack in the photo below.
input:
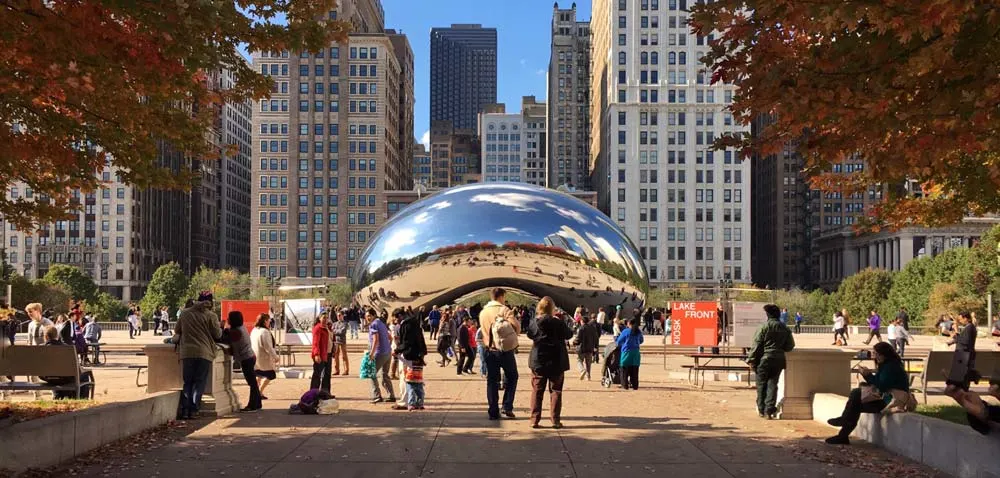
(503, 335)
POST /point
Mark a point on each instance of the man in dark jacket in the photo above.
(585, 341)
(411, 338)
(767, 356)
(465, 353)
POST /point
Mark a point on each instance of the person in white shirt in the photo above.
(839, 328)
(602, 318)
(898, 336)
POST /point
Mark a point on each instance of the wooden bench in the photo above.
(694, 371)
(938, 364)
(43, 361)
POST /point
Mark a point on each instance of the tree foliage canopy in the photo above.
(168, 287)
(95, 82)
(79, 285)
(910, 86)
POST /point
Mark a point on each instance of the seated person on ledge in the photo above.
(889, 375)
(979, 413)
(52, 339)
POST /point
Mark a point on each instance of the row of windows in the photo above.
(700, 215)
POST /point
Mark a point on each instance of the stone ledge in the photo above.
(949, 447)
(52, 440)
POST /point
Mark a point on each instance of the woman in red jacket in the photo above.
(320, 352)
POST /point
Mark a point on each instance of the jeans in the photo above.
(97, 350)
(434, 329)
(382, 371)
(555, 385)
(466, 356)
(872, 334)
(327, 372)
(195, 372)
(470, 360)
(583, 361)
(247, 367)
(768, 373)
(131, 331)
(482, 359)
(353, 325)
(899, 345)
(854, 409)
(320, 369)
(415, 394)
(630, 377)
(798, 328)
(495, 362)
(443, 346)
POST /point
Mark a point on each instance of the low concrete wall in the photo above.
(53, 440)
(949, 447)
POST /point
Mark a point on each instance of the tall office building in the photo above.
(501, 137)
(781, 219)
(329, 145)
(407, 100)
(455, 156)
(234, 182)
(463, 73)
(569, 101)
(535, 149)
(654, 118)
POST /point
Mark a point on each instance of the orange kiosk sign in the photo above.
(249, 308)
(694, 323)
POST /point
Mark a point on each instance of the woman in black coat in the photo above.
(549, 360)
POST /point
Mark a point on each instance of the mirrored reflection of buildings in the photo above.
(334, 136)
(455, 155)
(396, 201)
(654, 116)
(569, 100)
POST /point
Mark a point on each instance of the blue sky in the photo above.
(523, 28)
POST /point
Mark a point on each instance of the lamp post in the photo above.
(724, 286)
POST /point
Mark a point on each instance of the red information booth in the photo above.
(694, 323)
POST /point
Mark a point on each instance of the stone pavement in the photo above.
(664, 428)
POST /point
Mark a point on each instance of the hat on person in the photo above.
(205, 296)
(398, 312)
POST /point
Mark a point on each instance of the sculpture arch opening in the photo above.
(519, 236)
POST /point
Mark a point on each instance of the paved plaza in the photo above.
(664, 428)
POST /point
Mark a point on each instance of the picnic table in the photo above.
(699, 367)
(906, 362)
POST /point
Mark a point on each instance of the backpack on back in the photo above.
(503, 335)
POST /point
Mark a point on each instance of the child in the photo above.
(414, 372)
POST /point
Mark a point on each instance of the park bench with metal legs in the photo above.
(694, 371)
(42, 361)
(938, 364)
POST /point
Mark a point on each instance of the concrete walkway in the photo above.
(664, 429)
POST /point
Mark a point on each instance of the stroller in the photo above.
(611, 371)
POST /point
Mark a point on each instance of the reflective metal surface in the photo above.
(524, 237)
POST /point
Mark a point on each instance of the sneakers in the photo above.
(249, 410)
(509, 414)
(583, 375)
(377, 400)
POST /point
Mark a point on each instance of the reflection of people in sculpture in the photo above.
(538, 270)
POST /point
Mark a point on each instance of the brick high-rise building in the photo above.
(654, 116)
(463, 73)
(569, 101)
(455, 156)
(329, 142)
(534, 156)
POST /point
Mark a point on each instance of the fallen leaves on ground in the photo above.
(861, 457)
(18, 412)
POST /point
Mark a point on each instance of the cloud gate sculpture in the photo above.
(467, 238)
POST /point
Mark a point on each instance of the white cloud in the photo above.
(524, 62)
(399, 240)
(516, 201)
(540, 72)
(512, 230)
(426, 139)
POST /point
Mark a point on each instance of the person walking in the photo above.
(839, 328)
(473, 343)
(500, 331)
(798, 322)
(262, 343)
(466, 354)
(444, 337)
(242, 349)
(434, 321)
(354, 321)
(767, 357)
(481, 346)
(783, 318)
(339, 331)
(904, 317)
(393, 324)
(196, 332)
(898, 337)
(133, 323)
(320, 354)
(874, 324)
(380, 349)
(585, 343)
(549, 360)
(873, 395)
(411, 351)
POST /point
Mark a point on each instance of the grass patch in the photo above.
(951, 413)
(23, 411)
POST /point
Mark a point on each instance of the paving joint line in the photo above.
(569, 457)
(437, 433)
(723, 468)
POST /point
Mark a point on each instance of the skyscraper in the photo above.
(501, 137)
(535, 150)
(654, 117)
(569, 101)
(329, 142)
(455, 156)
(463, 73)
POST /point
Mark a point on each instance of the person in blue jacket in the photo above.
(629, 342)
(889, 375)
